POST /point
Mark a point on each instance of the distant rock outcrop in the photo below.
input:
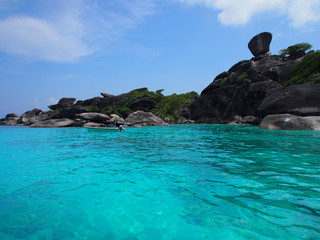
(34, 116)
(290, 122)
(63, 103)
(10, 119)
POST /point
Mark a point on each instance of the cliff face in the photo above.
(237, 94)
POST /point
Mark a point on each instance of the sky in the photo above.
(80, 48)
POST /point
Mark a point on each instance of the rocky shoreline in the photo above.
(251, 92)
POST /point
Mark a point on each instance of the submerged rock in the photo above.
(290, 122)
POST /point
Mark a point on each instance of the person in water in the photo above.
(121, 128)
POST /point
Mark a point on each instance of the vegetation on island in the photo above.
(165, 107)
(307, 71)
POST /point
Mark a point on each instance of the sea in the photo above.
(159, 183)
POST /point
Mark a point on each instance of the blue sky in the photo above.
(79, 48)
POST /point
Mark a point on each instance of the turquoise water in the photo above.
(178, 182)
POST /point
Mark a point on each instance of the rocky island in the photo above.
(275, 91)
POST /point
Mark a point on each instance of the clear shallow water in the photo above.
(177, 182)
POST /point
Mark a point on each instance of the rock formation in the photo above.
(33, 116)
(252, 89)
(10, 119)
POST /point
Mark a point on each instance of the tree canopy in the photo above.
(295, 51)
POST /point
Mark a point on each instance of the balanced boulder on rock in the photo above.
(260, 44)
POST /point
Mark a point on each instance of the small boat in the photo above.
(103, 128)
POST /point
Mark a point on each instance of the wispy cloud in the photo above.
(240, 12)
(64, 31)
(52, 100)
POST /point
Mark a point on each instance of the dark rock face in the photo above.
(54, 123)
(12, 116)
(140, 119)
(70, 112)
(290, 122)
(106, 95)
(109, 101)
(143, 104)
(92, 101)
(301, 100)
(63, 103)
(33, 116)
(260, 43)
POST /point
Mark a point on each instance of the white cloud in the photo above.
(52, 100)
(64, 31)
(38, 39)
(240, 12)
(302, 12)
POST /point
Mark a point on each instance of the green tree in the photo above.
(306, 72)
(295, 51)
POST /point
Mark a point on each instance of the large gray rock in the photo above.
(140, 119)
(260, 43)
(94, 117)
(34, 116)
(63, 103)
(302, 100)
(290, 122)
(54, 123)
(115, 120)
